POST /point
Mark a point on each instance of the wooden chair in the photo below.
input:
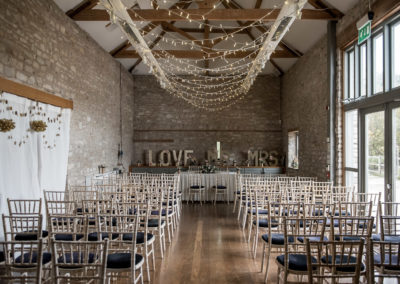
(22, 228)
(296, 231)
(79, 262)
(274, 240)
(220, 188)
(389, 215)
(334, 260)
(196, 188)
(68, 227)
(122, 259)
(24, 262)
(383, 260)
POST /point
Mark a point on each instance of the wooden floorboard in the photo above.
(209, 247)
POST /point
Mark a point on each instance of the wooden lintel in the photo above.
(198, 54)
(202, 14)
(33, 94)
(83, 6)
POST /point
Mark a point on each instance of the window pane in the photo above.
(351, 139)
(378, 64)
(351, 75)
(396, 154)
(375, 152)
(352, 180)
(363, 70)
(293, 151)
(396, 55)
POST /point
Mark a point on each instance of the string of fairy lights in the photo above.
(231, 68)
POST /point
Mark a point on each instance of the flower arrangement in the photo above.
(38, 125)
(6, 125)
(210, 169)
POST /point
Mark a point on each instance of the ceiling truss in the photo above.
(232, 12)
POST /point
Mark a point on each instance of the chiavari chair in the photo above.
(196, 188)
(79, 262)
(22, 227)
(122, 255)
(389, 215)
(24, 262)
(296, 231)
(273, 240)
(65, 227)
(220, 188)
(334, 260)
(383, 260)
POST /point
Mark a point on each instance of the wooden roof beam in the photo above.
(163, 15)
(321, 4)
(81, 7)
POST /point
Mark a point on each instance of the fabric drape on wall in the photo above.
(26, 169)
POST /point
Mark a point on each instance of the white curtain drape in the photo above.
(26, 169)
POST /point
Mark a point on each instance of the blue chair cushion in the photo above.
(277, 239)
(154, 223)
(343, 213)
(314, 238)
(93, 237)
(220, 186)
(196, 186)
(391, 239)
(121, 260)
(386, 263)
(343, 259)
(170, 203)
(260, 211)
(46, 258)
(156, 212)
(67, 237)
(139, 237)
(328, 222)
(77, 258)
(347, 238)
(264, 223)
(297, 262)
(376, 237)
(26, 236)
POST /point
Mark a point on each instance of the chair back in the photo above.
(334, 260)
(23, 261)
(86, 259)
(22, 228)
(24, 207)
(383, 260)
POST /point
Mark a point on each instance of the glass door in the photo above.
(374, 152)
(395, 147)
(380, 153)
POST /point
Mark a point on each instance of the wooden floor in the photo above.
(209, 248)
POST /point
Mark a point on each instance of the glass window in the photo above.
(352, 179)
(378, 64)
(396, 154)
(363, 70)
(293, 151)
(351, 75)
(396, 55)
(351, 139)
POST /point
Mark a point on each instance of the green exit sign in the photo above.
(364, 32)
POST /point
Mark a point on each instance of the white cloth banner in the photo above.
(26, 169)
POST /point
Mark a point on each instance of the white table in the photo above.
(208, 180)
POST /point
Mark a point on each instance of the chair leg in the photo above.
(267, 266)
(234, 204)
(255, 244)
(160, 243)
(154, 260)
(147, 262)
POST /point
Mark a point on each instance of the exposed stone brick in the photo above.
(40, 46)
(259, 111)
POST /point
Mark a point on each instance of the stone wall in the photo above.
(41, 47)
(304, 101)
(254, 123)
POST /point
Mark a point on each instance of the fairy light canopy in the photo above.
(206, 87)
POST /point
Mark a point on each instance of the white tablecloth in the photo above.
(208, 180)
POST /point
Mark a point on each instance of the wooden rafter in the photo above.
(162, 15)
(179, 4)
(147, 29)
(198, 54)
(320, 4)
(81, 7)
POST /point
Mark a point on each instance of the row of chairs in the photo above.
(90, 232)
